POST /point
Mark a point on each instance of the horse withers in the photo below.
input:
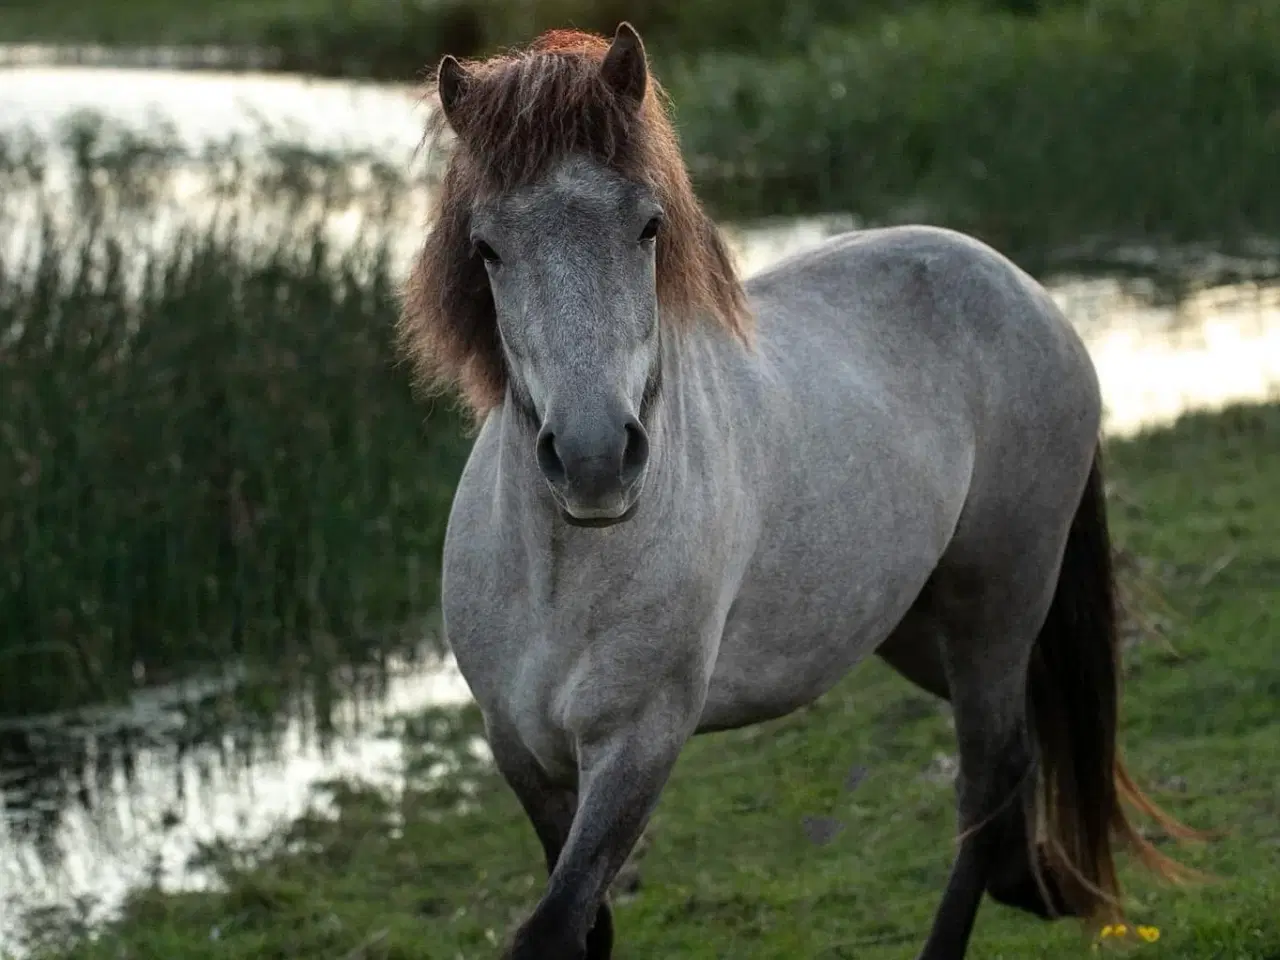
(694, 505)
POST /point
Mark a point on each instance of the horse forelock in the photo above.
(519, 115)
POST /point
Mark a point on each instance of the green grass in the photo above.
(218, 460)
(1055, 131)
(140, 21)
(1066, 134)
(729, 871)
(350, 38)
(396, 38)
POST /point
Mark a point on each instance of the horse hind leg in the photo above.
(988, 605)
(1019, 874)
(1028, 640)
(914, 649)
(986, 682)
(1073, 694)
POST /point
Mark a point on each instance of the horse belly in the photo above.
(779, 653)
(866, 510)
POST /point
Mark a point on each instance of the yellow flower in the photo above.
(1120, 931)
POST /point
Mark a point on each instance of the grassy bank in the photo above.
(209, 455)
(731, 870)
(1056, 131)
(1067, 133)
(395, 38)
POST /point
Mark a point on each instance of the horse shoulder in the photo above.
(476, 569)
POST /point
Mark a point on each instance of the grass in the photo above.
(208, 451)
(348, 38)
(1052, 137)
(730, 871)
(395, 38)
(1055, 131)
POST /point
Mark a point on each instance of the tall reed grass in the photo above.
(208, 452)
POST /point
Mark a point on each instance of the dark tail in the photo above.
(1074, 694)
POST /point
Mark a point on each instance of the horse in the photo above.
(694, 504)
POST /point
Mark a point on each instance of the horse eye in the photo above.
(487, 253)
(650, 229)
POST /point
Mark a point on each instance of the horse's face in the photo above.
(571, 265)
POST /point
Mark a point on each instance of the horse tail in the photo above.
(1074, 695)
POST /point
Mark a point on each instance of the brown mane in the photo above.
(519, 114)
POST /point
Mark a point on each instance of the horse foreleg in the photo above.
(550, 808)
(620, 780)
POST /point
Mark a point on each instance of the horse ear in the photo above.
(451, 82)
(625, 68)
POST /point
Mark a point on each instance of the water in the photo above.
(210, 107)
(92, 806)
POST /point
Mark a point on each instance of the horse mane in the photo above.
(518, 114)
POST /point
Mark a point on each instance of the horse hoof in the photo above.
(537, 942)
(600, 939)
(528, 950)
(544, 937)
(1021, 892)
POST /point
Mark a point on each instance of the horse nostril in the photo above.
(549, 461)
(636, 454)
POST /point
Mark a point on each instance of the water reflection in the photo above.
(203, 108)
(1155, 361)
(93, 805)
(99, 803)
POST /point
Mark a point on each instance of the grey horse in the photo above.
(694, 505)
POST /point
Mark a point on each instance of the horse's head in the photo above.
(567, 229)
(571, 263)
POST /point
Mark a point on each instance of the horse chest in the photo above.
(794, 629)
(553, 675)
(535, 705)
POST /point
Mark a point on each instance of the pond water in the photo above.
(93, 805)
(209, 107)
